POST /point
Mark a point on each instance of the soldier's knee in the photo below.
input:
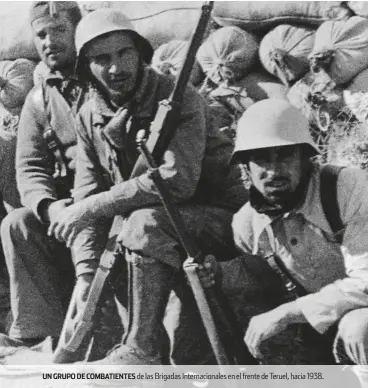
(17, 222)
(143, 225)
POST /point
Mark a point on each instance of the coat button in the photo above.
(294, 241)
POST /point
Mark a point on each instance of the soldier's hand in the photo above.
(51, 210)
(267, 325)
(70, 222)
(208, 272)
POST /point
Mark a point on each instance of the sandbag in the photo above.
(169, 59)
(16, 39)
(284, 52)
(158, 21)
(341, 48)
(360, 8)
(227, 54)
(264, 15)
(260, 86)
(16, 80)
(359, 83)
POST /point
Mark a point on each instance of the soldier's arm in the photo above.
(34, 163)
(89, 180)
(180, 168)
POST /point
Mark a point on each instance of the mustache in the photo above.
(119, 77)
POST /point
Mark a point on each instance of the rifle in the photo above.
(74, 340)
(209, 301)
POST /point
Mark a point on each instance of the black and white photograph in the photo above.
(184, 194)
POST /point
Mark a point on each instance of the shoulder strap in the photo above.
(328, 193)
(49, 134)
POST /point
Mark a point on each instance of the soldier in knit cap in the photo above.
(40, 268)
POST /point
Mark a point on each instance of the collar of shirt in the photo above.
(142, 100)
(311, 209)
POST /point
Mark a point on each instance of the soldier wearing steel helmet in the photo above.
(195, 168)
(301, 275)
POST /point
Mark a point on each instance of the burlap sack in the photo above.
(264, 15)
(169, 59)
(228, 54)
(284, 52)
(16, 80)
(341, 48)
(158, 21)
(16, 39)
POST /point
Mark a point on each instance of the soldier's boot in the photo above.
(149, 286)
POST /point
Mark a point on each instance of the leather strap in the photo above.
(330, 205)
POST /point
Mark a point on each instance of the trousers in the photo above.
(41, 274)
(149, 233)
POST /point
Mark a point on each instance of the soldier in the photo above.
(40, 268)
(306, 269)
(195, 168)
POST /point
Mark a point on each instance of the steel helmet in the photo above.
(105, 20)
(272, 123)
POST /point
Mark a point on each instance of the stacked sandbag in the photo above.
(227, 55)
(16, 80)
(264, 15)
(168, 59)
(360, 8)
(284, 52)
(16, 40)
(341, 48)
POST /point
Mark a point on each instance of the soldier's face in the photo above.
(276, 172)
(54, 41)
(114, 62)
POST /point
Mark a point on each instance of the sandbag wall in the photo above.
(282, 41)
